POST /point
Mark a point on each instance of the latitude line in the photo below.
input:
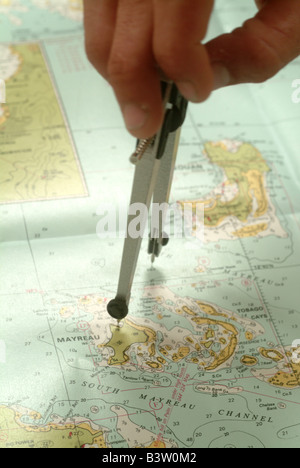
(265, 305)
(42, 298)
(256, 284)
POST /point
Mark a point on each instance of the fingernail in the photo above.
(135, 116)
(222, 76)
(188, 90)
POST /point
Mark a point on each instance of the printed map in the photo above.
(38, 160)
(208, 356)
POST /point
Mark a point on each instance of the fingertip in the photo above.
(197, 91)
(142, 121)
(135, 116)
(188, 90)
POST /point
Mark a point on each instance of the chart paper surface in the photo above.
(208, 355)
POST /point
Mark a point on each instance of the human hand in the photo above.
(261, 47)
(131, 42)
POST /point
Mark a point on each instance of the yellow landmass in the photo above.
(157, 444)
(207, 344)
(289, 379)
(209, 309)
(151, 350)
(251, 231)
(4, 114)
(6, 2)
(244, 169)
(38, 160)
(182, 353)
(189, 340)
(257, 188)
(16, 434)
(161, 360)
(99, 442)
(273, 354)
(163, 351)
(194, 360)
(228, 340)
(249, 360)
(224, 355)
(249, 335)
(123, 338)
(228, 351)
(209, 334)
(188, 311)
(159, 299)
(153, 364)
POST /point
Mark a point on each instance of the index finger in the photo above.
(179, 28)
(132, 71)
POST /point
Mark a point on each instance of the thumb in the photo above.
(260, 48)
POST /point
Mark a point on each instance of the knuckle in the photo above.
(265, 54)
(122, 68)
(267, 61)
(168, 57)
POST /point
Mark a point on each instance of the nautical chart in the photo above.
(208, 356)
